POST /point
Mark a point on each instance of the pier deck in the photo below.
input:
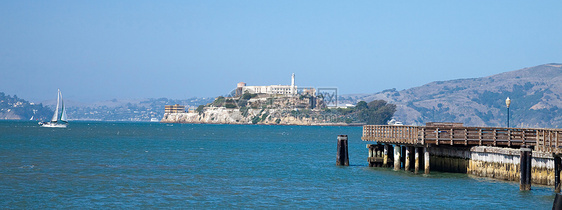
(451, 146)
(543, 140)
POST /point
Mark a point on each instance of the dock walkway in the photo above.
(408, 142)
(543, 140)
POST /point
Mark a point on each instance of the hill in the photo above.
(535, 93)
(14, 108)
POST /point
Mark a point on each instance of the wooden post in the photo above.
(396, 157)
(407, 159)
(480, 137)
(522, 169)
(465, 137)
(426, 159)
(385, 156)
(495, 138)
(509, 137)
(525, 168)
(370, 147)
(423, 135)
(556, 140)
(529, 167)
(417, 160)
(379, 154)
(452, 135)
(342, 156)
(557, 168)
(371, 154)
(437, 136)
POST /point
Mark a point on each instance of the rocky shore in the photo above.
(222, 115)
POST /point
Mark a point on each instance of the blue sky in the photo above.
(100, 50)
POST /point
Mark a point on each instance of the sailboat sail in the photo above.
(63, 115)
(56, 115)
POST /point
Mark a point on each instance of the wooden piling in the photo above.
(379, 150)
(522, 170)
(426, 160)
(370, 147)
(529, 167)
(385, 156)
(342, 158)
(407, 159)
(417, 160)
(525, 168)
(557, 168)
(396, 157)
(372, 154)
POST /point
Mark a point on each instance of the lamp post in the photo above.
(507, 103)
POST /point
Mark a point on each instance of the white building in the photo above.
(288, 90)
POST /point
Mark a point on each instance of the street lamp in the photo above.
(507, 103)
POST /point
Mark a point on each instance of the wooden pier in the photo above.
(399, 145)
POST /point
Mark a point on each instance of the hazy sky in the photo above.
(99, 50)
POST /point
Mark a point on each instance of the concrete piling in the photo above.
(385, 156)
(557, 168)
(407, 159)
(373, 154)
(486, 161)
(371, 150)
(426, 160)
(396, 157)
(342, 158)
(417, 160)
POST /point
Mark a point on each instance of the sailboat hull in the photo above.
(53, 125)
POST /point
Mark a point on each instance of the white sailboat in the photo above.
(58, 120)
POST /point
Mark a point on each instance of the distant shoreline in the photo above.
(316, 124)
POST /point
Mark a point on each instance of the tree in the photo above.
(382, 114)
(219, 101)
(247, 95)
(376, 104)
(361, 105)
(200, 109)
(376, 112)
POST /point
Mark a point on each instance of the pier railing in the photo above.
(547, 140)
(394, 134)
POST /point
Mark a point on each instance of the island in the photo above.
(280, 105)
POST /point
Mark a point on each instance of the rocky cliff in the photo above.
(222, 115)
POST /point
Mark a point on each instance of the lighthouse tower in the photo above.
(293, 88)
(293, 80)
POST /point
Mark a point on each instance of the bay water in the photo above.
(154, 165)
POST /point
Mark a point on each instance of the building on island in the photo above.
(286, 90)
(191, 110)
(174, 109)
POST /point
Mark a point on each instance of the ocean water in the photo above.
(153, 165)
